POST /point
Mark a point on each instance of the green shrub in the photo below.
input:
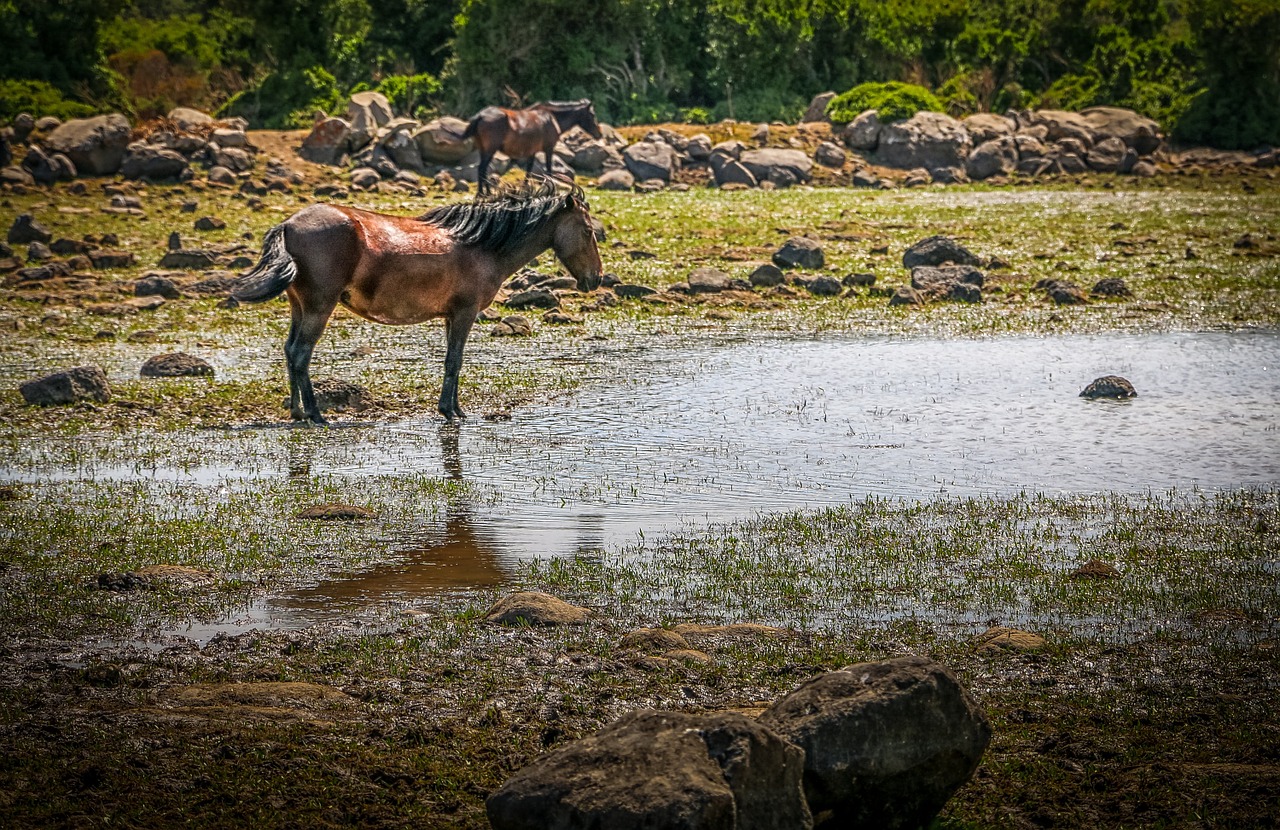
(40, 99)
(287, 99)
(695, 115)
(408, 94)
(1241, 120)
(893, 101)
(765, 104)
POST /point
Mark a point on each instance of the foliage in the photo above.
(38, 98)
(893, 101)
(1209, 70)
(408, 94)
(287, 99)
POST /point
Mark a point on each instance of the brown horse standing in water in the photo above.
(449, 262)
(522, 133)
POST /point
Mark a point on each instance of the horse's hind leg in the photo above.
(457, 326)
(308, 324)
(482, 173)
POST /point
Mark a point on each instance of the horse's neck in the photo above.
(521, 255)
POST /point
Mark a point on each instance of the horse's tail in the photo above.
(472, 126)
(273, 273)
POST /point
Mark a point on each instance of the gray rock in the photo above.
(633, 291)
(863, 132)
(782, 167)
(865, 178)
(104, 258)
(885, 743)
(46, 169)
(800, 252)
(188, 259)
(155, 285)
(22, 126)
(650, 160)
(667, 770)
(328, 142)
(596, 157)
(822, 285)
(998, 156)
(209, 223)
(151, 162)
(616, 180)
(375, 104)
(232, 158)
(403, 150)
(533, 298)
(187, 119)
(26, 229)
(13, 175)
(38, 252)
(1111, 287)
(830, 155)
(817, 109)
(221, 175)
(1062, 292)
(987, 126)
(224, 137)
(1138, 132)
(175, 365)
(1110, 155)
(919, 177)
(937, 281)
(930, 140)
(81, 383)
(1109, 386)
(440, 141)
(1060, 124)
(767, 276)
(906, 295)
(1144, 168)
(728, 170)
(964, 292)
(699, 147)
(708, 281)
(96, 146)
(365, 178)
(937, 250)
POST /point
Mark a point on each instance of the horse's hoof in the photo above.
(317, 421)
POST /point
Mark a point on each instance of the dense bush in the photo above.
(893, 101)
(38, 98)
(288, 99)
(1208, 70)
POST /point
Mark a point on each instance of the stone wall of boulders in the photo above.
(107, 145)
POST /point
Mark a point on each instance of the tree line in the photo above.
(1209, 70)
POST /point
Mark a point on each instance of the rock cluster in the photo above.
(881, 745)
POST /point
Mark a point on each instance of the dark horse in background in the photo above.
(449, 262)
(521, 134)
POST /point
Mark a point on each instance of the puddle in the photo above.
(721, 433)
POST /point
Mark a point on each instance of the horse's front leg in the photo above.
(456, 327)
(482, 173)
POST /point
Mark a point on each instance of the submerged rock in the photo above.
(1109, 386)
(336, 511)
(1003, 638)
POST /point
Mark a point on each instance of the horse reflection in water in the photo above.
(457, 559)
(449, 262)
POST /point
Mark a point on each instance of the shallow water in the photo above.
(726, 432)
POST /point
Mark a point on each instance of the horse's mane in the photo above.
(502, 219)
(565, 106)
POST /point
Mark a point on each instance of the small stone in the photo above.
(1111, 287)
(210, 223)
(800, 252)
(175, 365)
(906, 295)
(1002, 638)
(156, 285)
(632, 291)
(937, 250)
(1095, 569)
(513, 325)
(26, 229)
(336, 511)
(534, 608)
(1109, 386)
(80, 383)
(708, 281)
(767, 276)
(653, 640)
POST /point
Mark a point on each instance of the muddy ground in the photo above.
(1152, 702)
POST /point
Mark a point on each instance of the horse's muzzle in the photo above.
(590, 282)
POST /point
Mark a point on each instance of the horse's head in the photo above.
(587, 120)
(575, 241)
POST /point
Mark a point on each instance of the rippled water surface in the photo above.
(730, 431)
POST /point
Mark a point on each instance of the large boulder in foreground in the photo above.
(666, 770)
(930, 140)
(885, 743)
(95, 145)
(80, 383)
